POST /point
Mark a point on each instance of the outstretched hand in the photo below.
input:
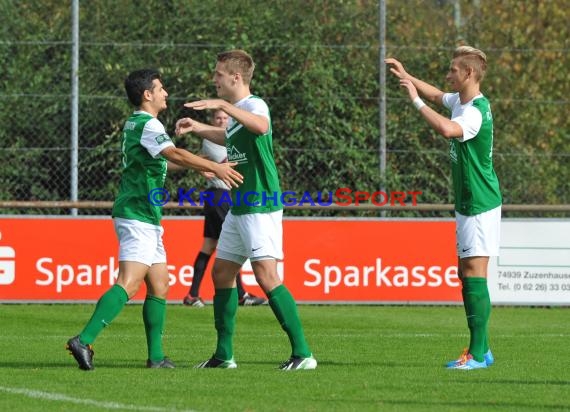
(226, 173)
(212, 104)
(412, 91)
(397, 68)
(184, 125)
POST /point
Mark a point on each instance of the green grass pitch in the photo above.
(371, 358)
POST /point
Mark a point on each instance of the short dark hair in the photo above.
(137, 82)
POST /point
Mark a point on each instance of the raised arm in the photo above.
(187, 160)
(426, 90)
(205, 131)
(441, 124)
(253, 122)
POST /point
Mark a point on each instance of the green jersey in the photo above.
(260, 191)
(144, 169)
(475, 183)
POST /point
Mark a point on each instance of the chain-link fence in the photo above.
(318, 69)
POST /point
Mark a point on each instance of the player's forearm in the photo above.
(427, 91)
(442, 125)
(188, 160)
(213, 133)
(171, 166)
(216, 135)
(253, 122)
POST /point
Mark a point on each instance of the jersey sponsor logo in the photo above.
(234, 155)
(129, 125)
(160, 139)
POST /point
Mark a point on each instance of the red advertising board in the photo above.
(326, 260)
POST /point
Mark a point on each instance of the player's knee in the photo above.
(131, 286)
(160, 289)
(268, 280)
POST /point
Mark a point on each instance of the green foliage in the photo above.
(318, 69)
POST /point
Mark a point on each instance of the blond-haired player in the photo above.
(476, 186)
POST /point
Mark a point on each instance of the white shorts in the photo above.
(478, 235)
(139, 241)
(256, 236)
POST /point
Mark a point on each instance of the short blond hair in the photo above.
(468, 56)
(238, 61)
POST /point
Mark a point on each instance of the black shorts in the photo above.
(215, 214)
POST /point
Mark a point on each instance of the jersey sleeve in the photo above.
(449, 100)
(257, 106)
(470, 121)
(213, 151)
(154, 138)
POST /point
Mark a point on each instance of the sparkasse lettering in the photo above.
(83, 275)
(328, 277)
(62, 275)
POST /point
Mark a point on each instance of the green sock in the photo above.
(285, 309)
(108, 307)
(463, 297)
(225, 309)
(477, 308)
(154, 315)
(487, 317)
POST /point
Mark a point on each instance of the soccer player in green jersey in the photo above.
(146, 148)
(476, 187)
(214, 212)
(253, 227)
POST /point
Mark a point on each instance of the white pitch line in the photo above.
(31, 393)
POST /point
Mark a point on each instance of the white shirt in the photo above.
(216, 153)
(468, 117)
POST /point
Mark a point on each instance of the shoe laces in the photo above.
(91, 351)
(464, 357)
(286, 363)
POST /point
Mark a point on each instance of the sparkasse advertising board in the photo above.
(45, 259)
